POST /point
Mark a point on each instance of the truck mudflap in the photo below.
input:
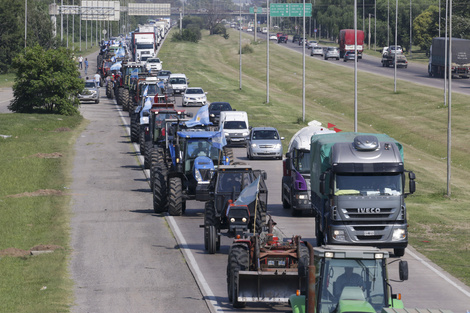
(263, 286)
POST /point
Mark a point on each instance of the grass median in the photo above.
(414, 115)
(36, 153)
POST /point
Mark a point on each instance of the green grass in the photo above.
(28, 166)
(7, 80)
(415, 116)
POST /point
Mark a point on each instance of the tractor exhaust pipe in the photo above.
(311, 301)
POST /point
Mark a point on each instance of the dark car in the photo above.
(282, 39)
(349, 56)
(295, 38)
(215, 108)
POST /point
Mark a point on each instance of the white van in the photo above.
(177, 83)
(235, 127)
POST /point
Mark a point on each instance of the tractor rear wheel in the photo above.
(238, 260)
(175, 201)
(211, 237)
(124, 99)
(160, 194)
(142, 146)
(134, 128)
(304, 261)
(148, 156)
(156, 160)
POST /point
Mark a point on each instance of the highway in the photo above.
(126, 258)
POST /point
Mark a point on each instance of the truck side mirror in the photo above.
(322, 183)
(412, 177)
(403, 270)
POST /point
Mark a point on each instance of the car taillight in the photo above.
(163, 131)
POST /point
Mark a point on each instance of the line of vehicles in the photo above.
(353, 183)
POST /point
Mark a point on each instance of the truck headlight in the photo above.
(339, 235)
(301, 197)
(399, 234)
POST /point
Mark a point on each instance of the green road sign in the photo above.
(259, 10)
(290, 9)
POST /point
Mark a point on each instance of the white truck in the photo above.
(143, 46)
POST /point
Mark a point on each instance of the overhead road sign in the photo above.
(290, 9)
(152, 9)
(97, 10)
(259, 10)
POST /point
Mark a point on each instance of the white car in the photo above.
(249, 29)
(153, 64)
(273, 37)
(194, 96)
(317, 50)
(311, 44)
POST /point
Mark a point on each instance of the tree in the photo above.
(46, 80)
(426, 27)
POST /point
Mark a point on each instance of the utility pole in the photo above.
(25, 21)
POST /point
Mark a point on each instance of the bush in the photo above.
(220, 29)
(247, 48)
(46, 80)
(192, 34)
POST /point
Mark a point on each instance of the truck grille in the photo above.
(369, 213)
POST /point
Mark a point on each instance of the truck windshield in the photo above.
(141, 46)
(343, 279)
(353, 184)
(301, 161)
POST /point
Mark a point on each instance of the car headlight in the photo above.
(277, 146)
(245, 134)
(253, 145)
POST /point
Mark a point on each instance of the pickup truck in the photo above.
(388, 58)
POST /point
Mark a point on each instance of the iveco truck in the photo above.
(358, 190)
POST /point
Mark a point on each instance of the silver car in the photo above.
(194, 96)
(264, 142)
(90, 92)
(331, 52)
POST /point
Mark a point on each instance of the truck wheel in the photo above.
(134, 128)
(160, 196)
(238, 260)
(175, 201)
(399, 252)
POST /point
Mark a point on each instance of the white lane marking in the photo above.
(200, 280)
(440, 274)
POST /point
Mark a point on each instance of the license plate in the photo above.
(369, 233)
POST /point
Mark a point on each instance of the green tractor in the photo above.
(348, 279)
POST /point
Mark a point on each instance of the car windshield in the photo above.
(153, 60)
(265, 135)
(220, 107)
(235, 125)
(177, 81)
(164, 73)
(194, 91)
(353, 184)
(89, 85)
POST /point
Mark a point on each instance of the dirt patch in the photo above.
(15, 252)
(54, 155)
(38, 193)
(62, 129)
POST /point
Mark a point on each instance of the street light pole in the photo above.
(25, 21)
(240, 44)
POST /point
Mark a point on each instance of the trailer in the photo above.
(460, 66)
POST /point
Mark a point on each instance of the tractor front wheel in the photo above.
(175, 203)
(238, 260)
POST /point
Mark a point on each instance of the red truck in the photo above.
(346, 42)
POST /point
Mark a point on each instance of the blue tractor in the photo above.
(185, 166)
